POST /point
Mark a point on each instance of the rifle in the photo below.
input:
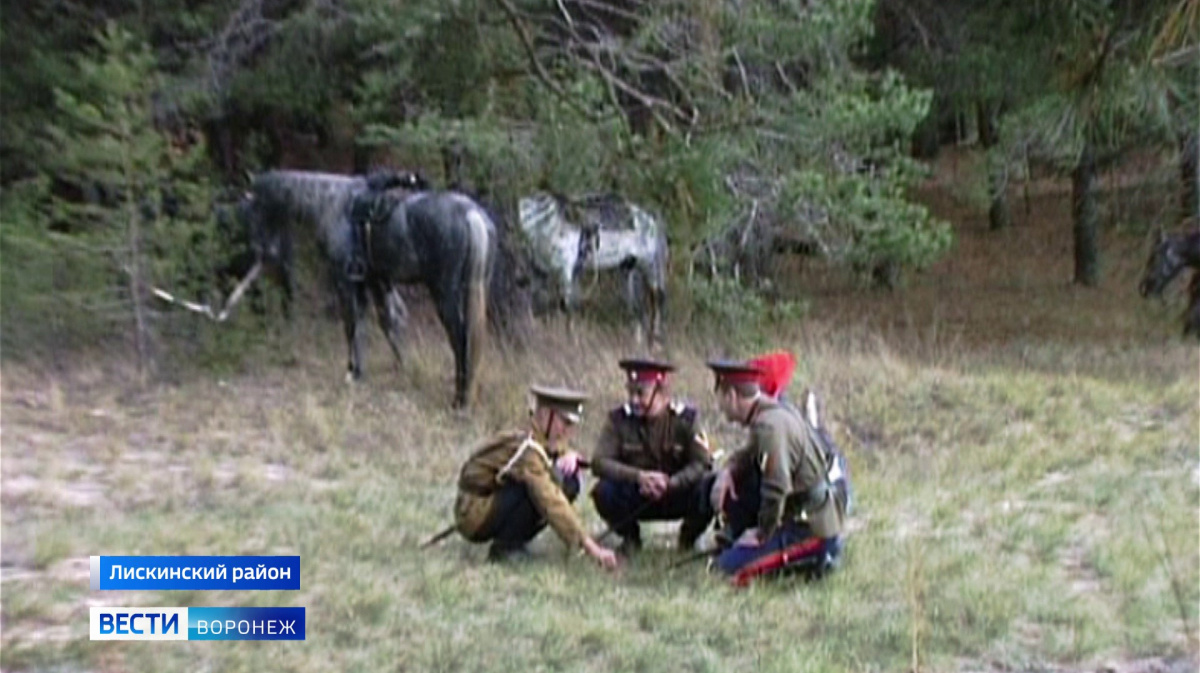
(441, 535)
(626, 521)
(693, 557)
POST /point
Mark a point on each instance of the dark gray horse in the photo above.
(442, 240)
(1171, 255)
(1191, 317)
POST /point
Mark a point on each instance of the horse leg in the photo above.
(287, 279)
(659, 304)
(453, 316)
(570, 303)
(635, 304)
(1191, 316)
(654, 273)
(289, 288)
(350, 294)
(391, 312)
(287, 283)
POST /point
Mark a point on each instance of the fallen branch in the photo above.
(240, 290)
(205, 309)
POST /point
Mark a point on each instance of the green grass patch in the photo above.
(1008, 515)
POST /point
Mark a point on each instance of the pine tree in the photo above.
(105, 143)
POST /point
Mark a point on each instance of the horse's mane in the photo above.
(313, 197)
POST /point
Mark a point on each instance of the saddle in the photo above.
(367, 210)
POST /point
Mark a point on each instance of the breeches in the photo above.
(514, 519)
(620, 503)
(791, 547)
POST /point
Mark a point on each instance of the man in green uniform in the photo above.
(775, 492)
(777, 367)
(651, 459)
(518, 481)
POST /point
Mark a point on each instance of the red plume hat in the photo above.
(777, 368)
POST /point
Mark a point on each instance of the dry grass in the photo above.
(1025, 454)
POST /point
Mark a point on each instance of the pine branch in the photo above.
(539, 70)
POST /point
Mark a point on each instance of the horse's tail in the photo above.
(477, 272)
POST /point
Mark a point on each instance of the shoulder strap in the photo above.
(685, 412)
(620, 413)
(527, 445)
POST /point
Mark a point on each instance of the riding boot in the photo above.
(505, 552)
(691, 529)
(630, 545)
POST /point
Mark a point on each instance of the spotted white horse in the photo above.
(611, 233)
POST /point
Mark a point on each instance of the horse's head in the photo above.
(267, 242)
(1166, 261)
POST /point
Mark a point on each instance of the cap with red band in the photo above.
(731, 371)
(646, 371)
(777, 369)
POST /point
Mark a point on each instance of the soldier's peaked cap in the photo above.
(642, 370)
(567, 402)
(734, 371)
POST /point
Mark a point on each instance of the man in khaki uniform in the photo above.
(518, 481)
(777, 368)
(651, 459)
(775, 493)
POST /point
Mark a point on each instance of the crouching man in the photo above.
(518, 481)
(651, 460)
(779, 507)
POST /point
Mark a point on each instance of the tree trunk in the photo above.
(221, 148)
(1083, 212)
(999, 216)
(1189, 158)
(925, 140)
(133, 240)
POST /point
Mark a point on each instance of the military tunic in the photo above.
(835, 461)
(513, 457)
(669, 444)
(794, 486)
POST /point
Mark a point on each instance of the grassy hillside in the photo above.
(1025, 455)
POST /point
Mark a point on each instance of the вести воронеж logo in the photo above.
(196, 623)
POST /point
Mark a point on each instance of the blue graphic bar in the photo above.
(245, 623)
(146, 623)
(195, 573)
